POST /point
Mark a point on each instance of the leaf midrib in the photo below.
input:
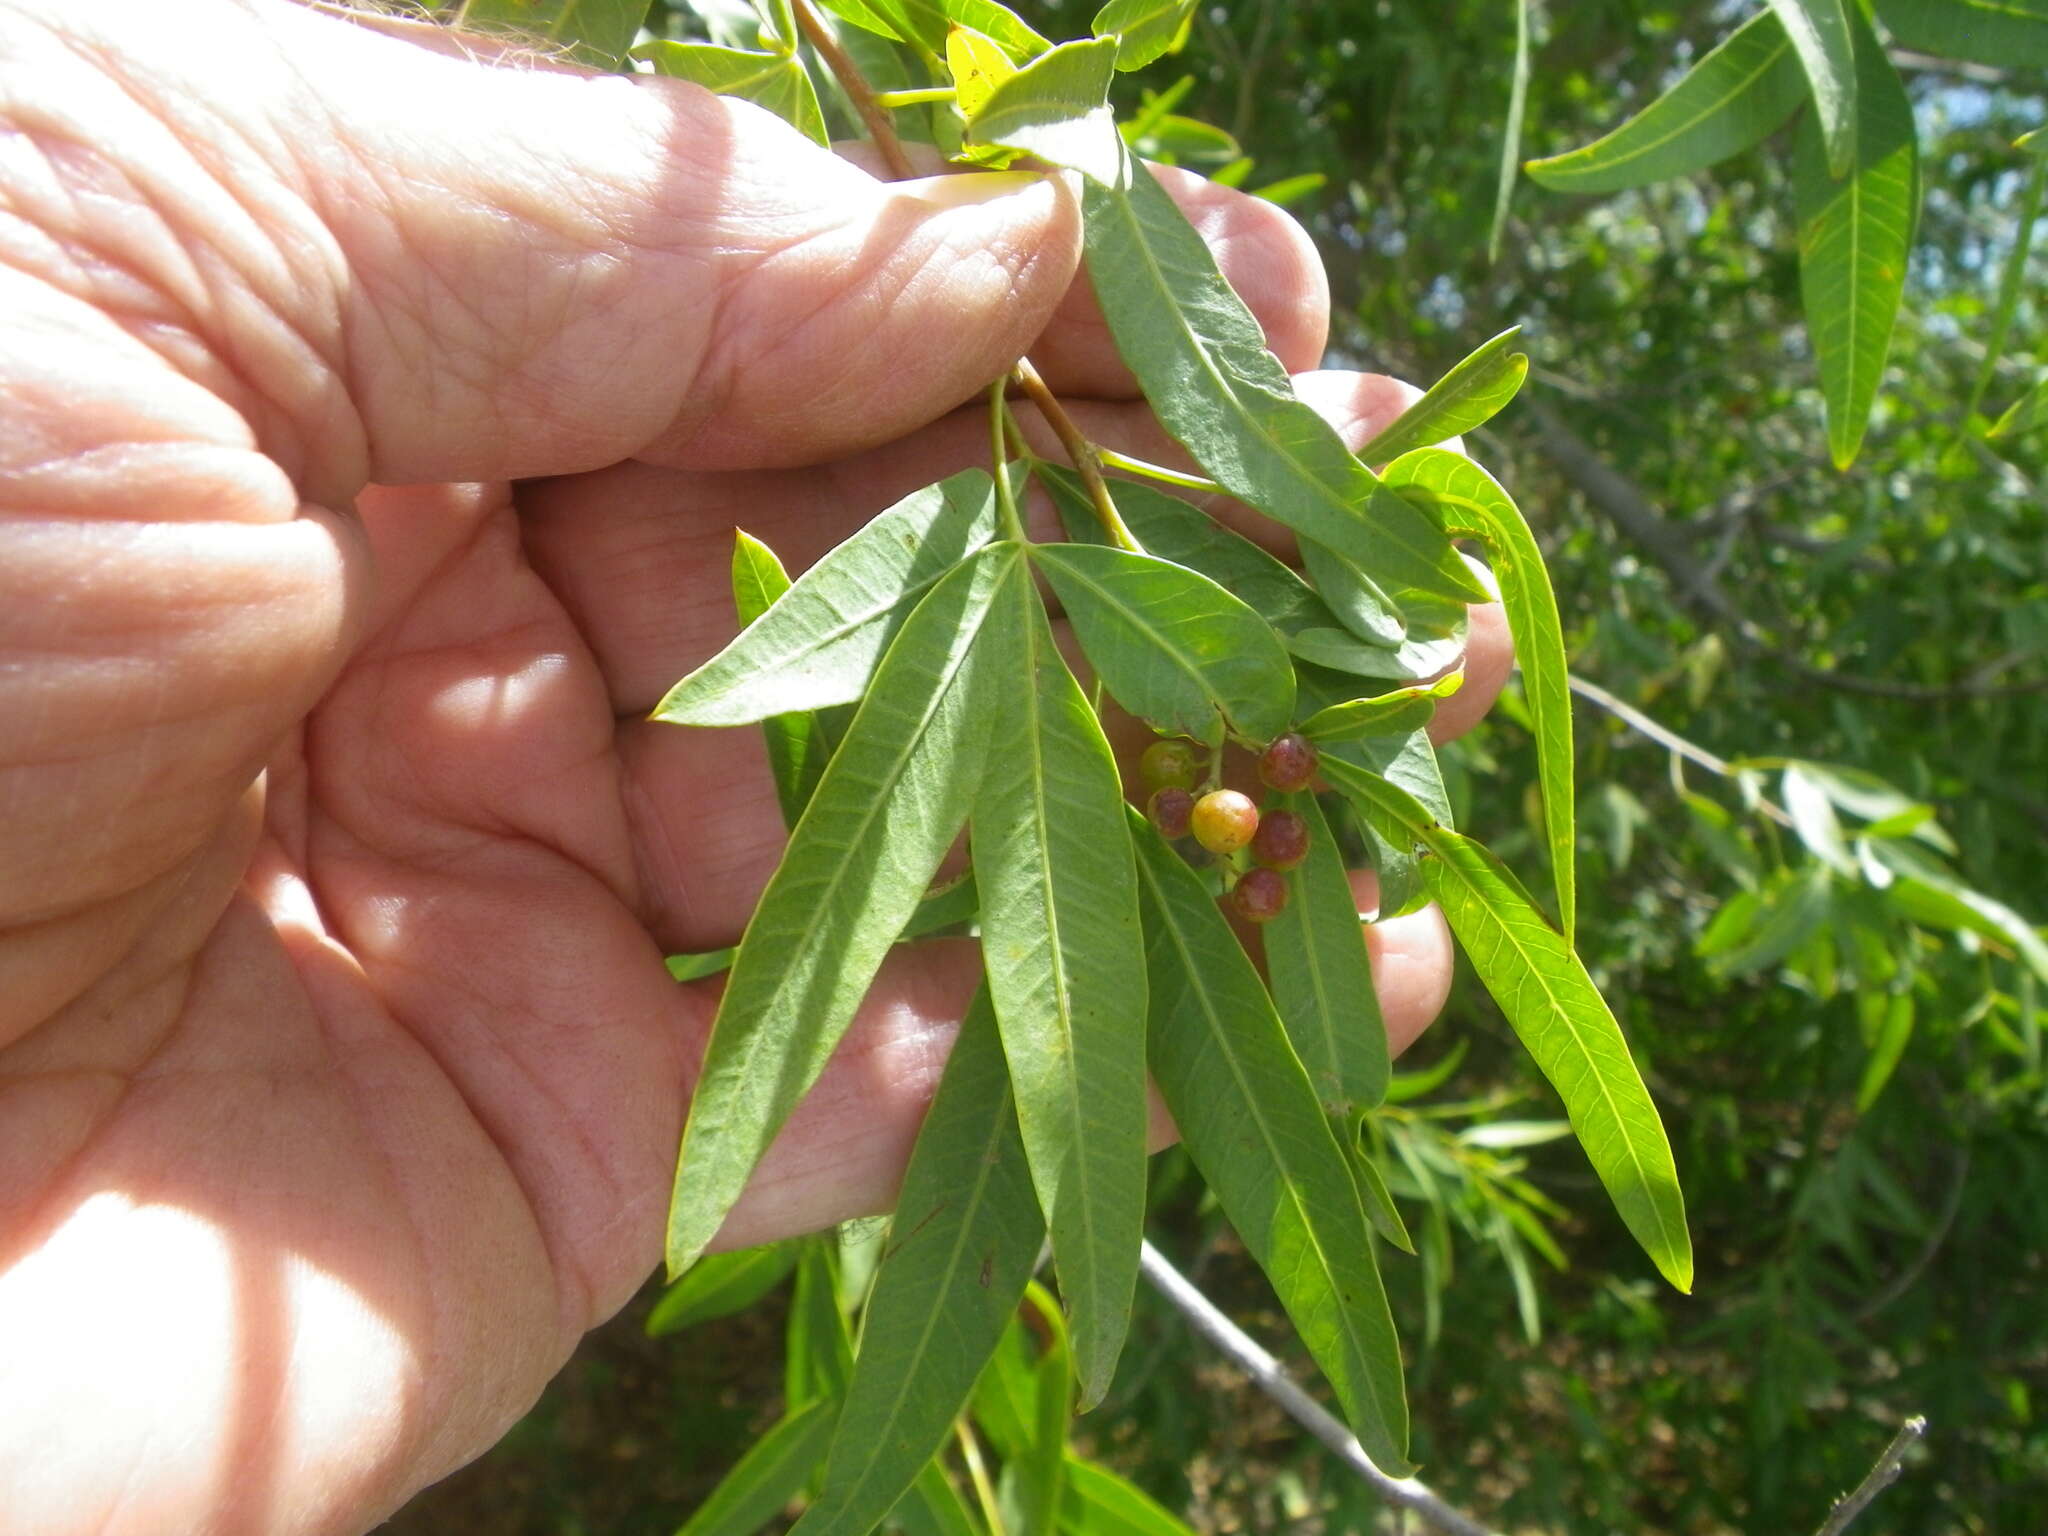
(1150, 631)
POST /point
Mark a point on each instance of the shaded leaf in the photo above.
(817, 1346)
(1338, 650)
(776, 81)
(1202, 360)
(1728, 101)
(720, 1285)
(1146, 29)
(799, 743)
(820, 643)
(887, 809)
(1100, 1503)
(1819, 33)
(772, 1473)
(1466, 397)
(1057, 108)
(1560, 1017)
(1320, 978)
(1171, 645)
(1511, 132)
(933, 1507)
(1358, 601)
(1471, 503)
(1390, 714)
(963, 1244)
(2007, 33)
(1035, 1476)
(1380, 1209)
(2024, 414)
(1249, 1117)
(1059, 923)
(1892, 1037)
(1855, 234)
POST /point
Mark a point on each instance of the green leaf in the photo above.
(1854, 238)
(1338, 650)
(1289, 190)
(1819, 33)
(772, 1473)
(1146, 29)
(992, 20)
(817, 1348)
(1892, 1037)
(597, 31)
(1203, 363)
(696, 967)
(1100, 1503)
(1511, 132)
(1059, 923)
(2024, 414)
(1380, 1209)
(945, 906)
(1358, 601)
(1176, 139)
(978, 64)
(1543, 989)
(963, 1244)
(1391, 714)
(1320, 978)
(884, 815)
(1731, 99)
(1249, 1117)
(776, 81)
(1057, 108)
(933, 1507)
(1928, 893)
(720, 1285)
(1006, 1396)
(2012, 34)
(1471, 503)
(821, 642)
(800, 743)
(1406, 1086)
(1171, 645)
(1035, 1477)
(1462, 399)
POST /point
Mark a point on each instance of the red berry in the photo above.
(1169, 762)
(1259, 895)
(1224, 820)
(1289, 763)
(1281, 841)
(1170, 809)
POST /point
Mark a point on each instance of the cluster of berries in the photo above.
(1224, 820)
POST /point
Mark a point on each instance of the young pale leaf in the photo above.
(1358, 601)
(1100, 1503)
(820, 642)
(721, 1285)
(776, 81)
(887, 809)
(978, 65)
(1146, 29)
(1380, 1209)
(597, 31)
(1462, 399)
(1391, 714)
(1170, 645)
(1511, 132)
(773, 1472)
(1057, 108)
(1202, 360)
(965, 1238)
(1471, 503)
(1059, 923)
(2024, 414)
(1819, 33)
(798, 744)
(1543, 989)
(2011, 34)
(1249, 1117)
(1320, 978)
(1731, 99)
(1855, 234)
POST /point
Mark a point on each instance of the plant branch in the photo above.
(857, 89)
(1268, 1376)
(1876, 1480)
(1668, 739)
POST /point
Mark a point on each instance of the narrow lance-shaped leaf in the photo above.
(819, 644)
(776, 81)
(1511, 132)
(721, 1285)
(773, 1472)
(1560, 1017)
(2012, 34)
(1321, 980)
(1819, 33)
(1057, 108)
(1100, 1503)
(1249, 1117)
(1034, 1478)
(1380, 1209)
(817, 1355)
(1202, 360)
(1390, 714)
(1472, 503)
(1855, 234)
(1146, 28)
(1171, 645)
(933, 1507)
(798, 743)
(2024, 414)
(963, 1244)
(1359, 602)
(1728, 101)
(1059, 923)
(1462, 399)
(883, 816)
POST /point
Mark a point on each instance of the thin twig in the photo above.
(1876, 1480)
(1268, 1376)
(857, 89)
(1668, 739)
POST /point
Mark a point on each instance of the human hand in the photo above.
(340, 1076)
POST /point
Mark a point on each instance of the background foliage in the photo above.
(1854, 1085)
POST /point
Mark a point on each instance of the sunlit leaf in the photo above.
(2024, 414)
(776, 81)
(978, 65)
(1892, 1037)
(1819, 33)
(1855, 234)
(1145, 28)
(1202, 360)
(820, 643)
(1389, 714)
(1466, 397)
(1100, 1503)
(1728, 101)
(1543, 989)
(2011, 34)
(1511, 132)
(800, 743)
(596, 31)
(1289, 190)
(859, 861)
(1249, 1117)
(1059, 924)
(999, 23)
(1057, 108)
